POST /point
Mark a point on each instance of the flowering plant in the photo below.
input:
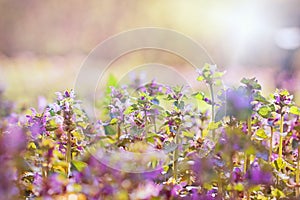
(242, 146)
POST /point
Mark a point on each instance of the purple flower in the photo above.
(14, 139)
(236, 103)
(146, 190)
(237, 175)
(42, 103)
(177, 188)
(59, 96)
(255, 175)
(55, 184)
(36, 124)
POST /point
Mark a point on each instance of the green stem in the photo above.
(249, 121)
(231, 193)
(146, 123)
(68, 153)
(154, 123)
(212, 102)
(298, 174)
(43, 164)
(247, 157)
(212, 108)
(220, 184)
(119, 131)
(271, 145)
(175, 156)
(280, 138)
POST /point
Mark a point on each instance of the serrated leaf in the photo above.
(205, 133)
(83, 124)
(218, 74)
(207, 186)
(109, 130)
(79, 165)
(277, 193)
(245, 81)
(213, 125)
(188, 134)
(284, 93)
(60, 166)
(31, 145)
(199, 95)
(279, 164)
(294, 110)
(51, 125)
(250, 150)
(264, 111)
(200, 78)
(260, 98)
(113, 121)
(261, 134)
(165, 168)
(239, 187)
(128, 110)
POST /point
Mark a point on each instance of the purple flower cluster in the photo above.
(154, 144)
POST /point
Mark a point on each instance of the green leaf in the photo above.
(260, 98)
(294, 110)
(264, 111)
(218, 74)
(279, 164)
(128, 110)
(79, 165)
(188, 134)
(214, 125)
(277, 193)
(252, 83)
(51, 125)
(200, 78)
(261, 134)
(207, 186)
(250, 150)
(179, 105)
(199, 95)
(245, 81)
(284, 93)
(165, 168)
(109, 130)
(113, 121)
(112, 81)
(239, 187)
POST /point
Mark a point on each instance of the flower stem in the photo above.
(154, 123)
(247, 157)
(220, 185)
(69, 152)
(298, 174)
(175, 155)
(280, 138)
(146, 123)
(271, 145)
(212, 102)
(68, 127)
(119, 131)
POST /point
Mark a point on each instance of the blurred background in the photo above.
(43, 43)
